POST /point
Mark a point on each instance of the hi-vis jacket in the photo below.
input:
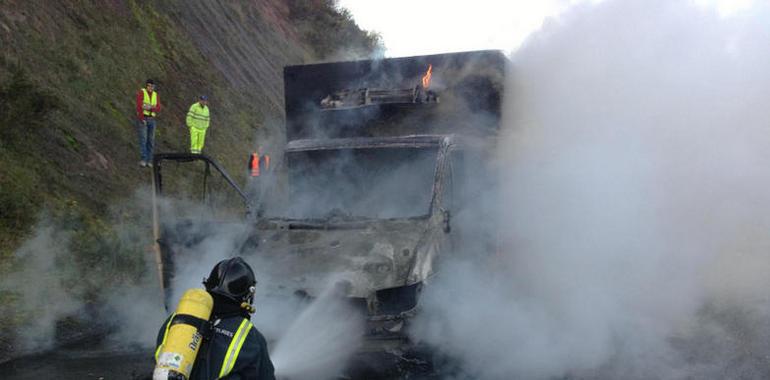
(235, 350)
(258, 165)
(198, 116)
(146, 98)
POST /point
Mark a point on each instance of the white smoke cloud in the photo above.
(320, 340)
(139, 313)
(42, 296)
(634, 203)
(71, 280)
(307, 340)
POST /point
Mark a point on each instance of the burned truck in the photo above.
(387, 172)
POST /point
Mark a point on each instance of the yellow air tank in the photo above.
(176, 355)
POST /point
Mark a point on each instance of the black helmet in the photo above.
(233, 279)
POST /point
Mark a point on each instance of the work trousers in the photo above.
(146, 132)
(197, 138)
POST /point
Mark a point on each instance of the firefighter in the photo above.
(147, 107)
(198, 122)
(231, 348)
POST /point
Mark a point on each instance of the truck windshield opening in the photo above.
(361, 183)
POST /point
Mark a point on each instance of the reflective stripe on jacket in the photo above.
(165, 335)
(150, 100)
(235, 350)
(198, 116)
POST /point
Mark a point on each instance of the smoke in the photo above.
(139, 312)
(105, 278)
(78, 277)
(40, 286)
(634, 205)
(633, 228)
(306, 339)
(388, 183)
(321, 339)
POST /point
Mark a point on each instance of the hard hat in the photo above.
(233, 279)
(203, 97)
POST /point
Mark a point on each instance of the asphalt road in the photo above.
(101, 364)
(77, 364)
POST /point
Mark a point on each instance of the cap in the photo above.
(204, 97)
(150, 81)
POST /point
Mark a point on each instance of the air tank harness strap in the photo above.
(206, 328)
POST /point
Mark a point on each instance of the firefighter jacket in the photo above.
(198, 116)
(233, 350)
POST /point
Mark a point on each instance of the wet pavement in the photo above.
(77, 364)
(100, 364)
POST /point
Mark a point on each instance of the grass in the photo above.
(331, 30)
(22, 118)
(18, 206)
(67, 82)
(145, 16)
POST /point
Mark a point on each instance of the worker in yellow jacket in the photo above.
(198, 122)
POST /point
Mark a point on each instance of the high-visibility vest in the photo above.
(151, 100)
(254, 164)
(198, 116)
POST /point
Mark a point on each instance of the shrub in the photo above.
(329, 29)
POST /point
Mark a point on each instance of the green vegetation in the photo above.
(68, 151)
(331, 30)
(23, 117)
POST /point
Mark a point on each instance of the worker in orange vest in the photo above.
(259, 163)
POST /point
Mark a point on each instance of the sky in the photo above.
(417, 27)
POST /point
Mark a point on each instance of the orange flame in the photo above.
(426, 77)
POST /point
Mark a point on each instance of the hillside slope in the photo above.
(68, 76)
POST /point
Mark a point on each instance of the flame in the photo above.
(426, 77)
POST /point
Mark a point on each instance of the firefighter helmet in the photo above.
(233, 279)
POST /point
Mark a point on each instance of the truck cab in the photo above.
(377, 213)
(382, 186)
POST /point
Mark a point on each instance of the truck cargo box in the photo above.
(433, 94)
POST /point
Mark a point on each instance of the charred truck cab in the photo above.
(387, 171)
